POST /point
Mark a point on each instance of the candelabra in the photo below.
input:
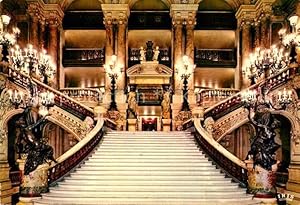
(264, 61)
(46, 100)
(185, 74)
(6, 39)
(28, 61)
(291, 40)
(113, 72)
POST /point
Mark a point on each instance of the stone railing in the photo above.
(74, 156)
(228, 105)
(83, 57)
(63, 101)
(215, 57)
(88, 96)
(209, 97)
(230, 164)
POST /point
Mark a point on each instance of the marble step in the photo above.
(216, 182)
(146, 164)
(176, 188)
(134, 194)
(154, 154)
(146, 173)
(142, 177)
(144, 201)
(142, 156)
(138, 160)
(139, 168)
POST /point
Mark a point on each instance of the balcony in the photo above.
(215, 58)
(78, 57)
(163, 58)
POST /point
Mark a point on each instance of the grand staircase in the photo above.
(147, 168)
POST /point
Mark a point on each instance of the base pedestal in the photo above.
(166, 124)
(131, 124)
(27, 200)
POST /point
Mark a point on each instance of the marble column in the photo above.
(246, 49)
(257, 34)
(121, 46)
(177, 25)
(53, 50)
(42, 35)
(34, 34)
(265, 32)
(189, 51)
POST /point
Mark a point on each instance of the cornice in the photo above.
(115, 13)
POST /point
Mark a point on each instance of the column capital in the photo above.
(245, 15)
(54, 14)
(115, 13)
(35, 9)
(184, 14)
(264, 8)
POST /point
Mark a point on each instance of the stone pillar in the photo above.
(121, 53)
(52, 50)
(257, 34)
(177, 26)
(34, 32)
(189, 51)
(246, 48)
(117, 15)
(42, 35)
(265, 32)
(245, 16)
(109, 49)
(182, 15)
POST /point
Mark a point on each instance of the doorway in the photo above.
(149, 124)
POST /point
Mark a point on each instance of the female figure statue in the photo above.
(132, 105)
(165, 104)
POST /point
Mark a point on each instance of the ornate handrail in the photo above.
(110, 124)
(229, 163)
(215, 57)
(63, 101)
(211, 96)
(15, 178)
(74, 156)
(84, 94)
(226, 106)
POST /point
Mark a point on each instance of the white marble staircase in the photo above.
(141, 168)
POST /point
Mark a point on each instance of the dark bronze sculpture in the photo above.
(31, 142)
(263, 146)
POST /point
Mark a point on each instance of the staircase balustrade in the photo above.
(209, 97)
(226, 161)
(85, 95)
(234, 102)
(63, 101)
(77, 154)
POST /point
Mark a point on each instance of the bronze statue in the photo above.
(31, 142)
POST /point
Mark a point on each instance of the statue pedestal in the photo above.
(27, 200)
(261, 183)
(131, 124)
(166, 125)
(34, 184)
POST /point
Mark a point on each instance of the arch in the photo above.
(65, 4)
(166, 2)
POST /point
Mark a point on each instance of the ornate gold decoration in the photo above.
(78, 127)
(117, 117)
(228, 122)
(181, 118)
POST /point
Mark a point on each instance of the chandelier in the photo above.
(266, 61)
(29, 62)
